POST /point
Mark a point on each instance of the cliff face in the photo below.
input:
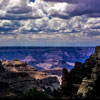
(1, 68)
(84, 79)
(17, 77)
(97, 52)
(65, 79)
(15, 82)
(55, 71)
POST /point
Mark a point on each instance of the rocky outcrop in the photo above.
(97, 52)
(18, 76)
(1, 68)
(15, 83)
(90, 84)
(65, 80)
(84, 78)
(76, 74)
(71, 80)
(49, 84)
(17, 66)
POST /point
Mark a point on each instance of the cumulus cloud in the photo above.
(81, 7)
(19, 9)
(49, 22)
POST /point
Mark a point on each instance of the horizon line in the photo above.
(47, 46)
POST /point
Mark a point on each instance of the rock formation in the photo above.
(76, 74)
(97, 52)
(84, 78)
(90, 84)
(65, 80)
(17, 77)
(1, 68)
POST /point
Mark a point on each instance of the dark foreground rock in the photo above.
(1, 68)
(84, 79)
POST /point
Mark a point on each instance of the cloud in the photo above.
(58, 22)
(24, 9)
(80, 7)
(19, 10)
(52, 32)
(68, 1)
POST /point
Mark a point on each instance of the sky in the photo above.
(49, 22)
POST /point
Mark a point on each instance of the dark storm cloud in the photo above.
(90, 8)
(18, 17)
(81, 7)
(60, 16)
(68, 1)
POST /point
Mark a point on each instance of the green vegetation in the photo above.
(57, 94)
(31, 94)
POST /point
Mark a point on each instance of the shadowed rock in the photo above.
(65, 80)
(1, 67)
(84, 78)
(21, 77)
(97, 51)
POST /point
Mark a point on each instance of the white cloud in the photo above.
(46, 22)
(4, 22)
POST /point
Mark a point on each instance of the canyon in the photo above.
(17, 76)
(81, 82)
